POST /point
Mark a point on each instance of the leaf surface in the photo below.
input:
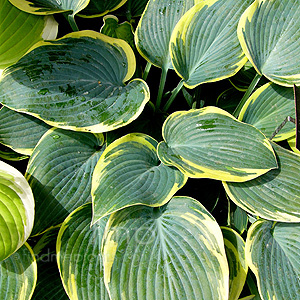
(211, 143)
(130, 173)
(18, 275)
(272, 251)
(269, 35)
(77, 83)
(20, 132)
(46, 7)
(18, 32)
(204, 45)
(172, 252)
(60, 174)
(268, 107)
(97, 8)
(155, 27)
(16, 210)
(274, 195)
(79, 255)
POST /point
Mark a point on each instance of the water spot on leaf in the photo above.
(43, 91)
(55, 136)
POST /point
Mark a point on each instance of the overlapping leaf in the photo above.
(238, 267)
(272, 251)
(155, 28)
(18, 275)
(130, 173)
(268, 107)
(210, 143)
(172, 252)
(274, 195)
(16, 210)
(269, 35)
(46, 7)
(77, 82)
(97, 8)
(79, 255)
(18, 32)
(60, 174)
(292, 143)
(204, 44)
(21, 132)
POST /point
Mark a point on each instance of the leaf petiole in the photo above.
(173, 96)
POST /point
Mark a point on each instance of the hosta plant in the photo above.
(149, 149)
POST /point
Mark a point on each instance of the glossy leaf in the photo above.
(16, 210)
(97, 8)
(269, 35)
(60, 174)
(79, 255)
(46, 7)
(18, 275)
(130, 173)
(77, 83)
(272, 251)
(267, 108)
(204, 44)
(274, 195)
(18, 32)
(20, 132)
(238, 267)
(172, 252)
(211, 143)
(133, 8)
(155, 27)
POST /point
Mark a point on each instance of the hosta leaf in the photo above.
(124, 31)
(269, 35)
(155, 27)
(204, 44)
(16, 210)
(46, 7)
(18, 275)
(273, 254)
(133, 8)
(238, 268)
(79, 255)
(172, 252)
(274, 195)
(20, 132)
(211, 143)
(129, 173)
(18, 32)
(77, 82)
(97, 8)
(267, 108)
(292, 143)
(10, 155)
(60, 174)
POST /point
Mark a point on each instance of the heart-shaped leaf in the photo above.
(129, 173)
(273, 254)
(274, 195)
(60, 174)
(211, 143)
(268, 107)
(238, 268)
(18, 275)
(77, 82)
(79, 255)
(155, 27)
(97, 8)
(18, 32)
(172, 252)
(20, 132)
(204, 44)
(16, 210)
(46, 7)
(269, 35)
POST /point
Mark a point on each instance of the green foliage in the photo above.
(140, 187)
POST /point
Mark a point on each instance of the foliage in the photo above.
(133, 187)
